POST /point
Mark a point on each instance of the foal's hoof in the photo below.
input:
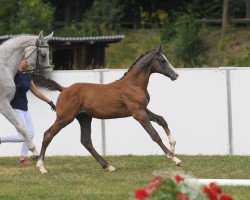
(110, 168)
(177, 161)
(180, 164)
(41, 167)
(43, 170)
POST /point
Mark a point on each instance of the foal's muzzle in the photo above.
(173, 78)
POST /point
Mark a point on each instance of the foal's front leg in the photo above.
(142, 117)
(162, 122)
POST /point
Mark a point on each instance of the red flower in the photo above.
(156, 180)
(206, 190)
(141, 194)
(215, 188)
(150, 189)
(178, 178)
(225, 197)
(212, 194)
(182, 196)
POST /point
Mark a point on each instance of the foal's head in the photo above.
(160, 64)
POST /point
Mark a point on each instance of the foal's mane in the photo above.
(133, 64)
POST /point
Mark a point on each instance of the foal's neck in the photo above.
(138, 76)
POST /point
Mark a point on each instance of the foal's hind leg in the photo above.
(142, 117)
(162, 122)
(48, 136)
(85, 123)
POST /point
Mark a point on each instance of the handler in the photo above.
(19, 103)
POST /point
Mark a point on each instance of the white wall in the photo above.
(195, 107)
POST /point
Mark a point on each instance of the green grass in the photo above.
(82, 177)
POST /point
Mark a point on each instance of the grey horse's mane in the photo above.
(17, 40)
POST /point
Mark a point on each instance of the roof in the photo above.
(86, 40)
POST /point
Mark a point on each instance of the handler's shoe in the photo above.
(24, 161)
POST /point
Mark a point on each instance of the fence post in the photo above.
(229, 111)
(103, 126)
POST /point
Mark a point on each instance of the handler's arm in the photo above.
(37, 93)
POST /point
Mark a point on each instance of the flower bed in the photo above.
(173, 186)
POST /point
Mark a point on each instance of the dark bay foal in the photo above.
(123, 98)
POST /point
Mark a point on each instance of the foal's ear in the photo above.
(159, 49)
(49, 36)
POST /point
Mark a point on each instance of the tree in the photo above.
(25, 16)
(225, 16)
(189, 47)
(102, 17)
(247, 8)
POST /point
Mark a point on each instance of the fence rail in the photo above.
(219, 21)
(138, 25)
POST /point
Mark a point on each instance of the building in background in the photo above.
(78, 52)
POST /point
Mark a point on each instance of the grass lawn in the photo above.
(82, 177)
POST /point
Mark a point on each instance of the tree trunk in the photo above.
(247, 8)
(225, 16)
(68, 13)
(248, 11)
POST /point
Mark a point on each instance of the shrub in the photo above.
(189, 48)
(173, 186)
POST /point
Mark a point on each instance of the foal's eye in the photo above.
(163, 61)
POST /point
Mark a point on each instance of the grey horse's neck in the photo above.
(12, 52)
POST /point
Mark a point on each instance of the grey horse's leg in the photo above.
(85, 123)
(142, 117)
(162, 122)
(10, 114)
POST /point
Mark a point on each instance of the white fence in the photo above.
(208, 112)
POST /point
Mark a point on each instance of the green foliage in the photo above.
(168, 190)
(236, 48)
(103, 17)
(135, 43)
(8, 10)
(189, 48)
(72, 31)
(212, 9)
(232, 49)
(25, 16)
(168, 32)
(159, 18)
(172, 185)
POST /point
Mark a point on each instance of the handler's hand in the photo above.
(23, 65)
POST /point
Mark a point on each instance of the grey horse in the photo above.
(33, 48)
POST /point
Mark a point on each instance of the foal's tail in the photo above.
(46, 83)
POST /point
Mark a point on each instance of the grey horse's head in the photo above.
(38, 55)
(161, 65)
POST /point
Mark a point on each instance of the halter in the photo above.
(37, 68)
